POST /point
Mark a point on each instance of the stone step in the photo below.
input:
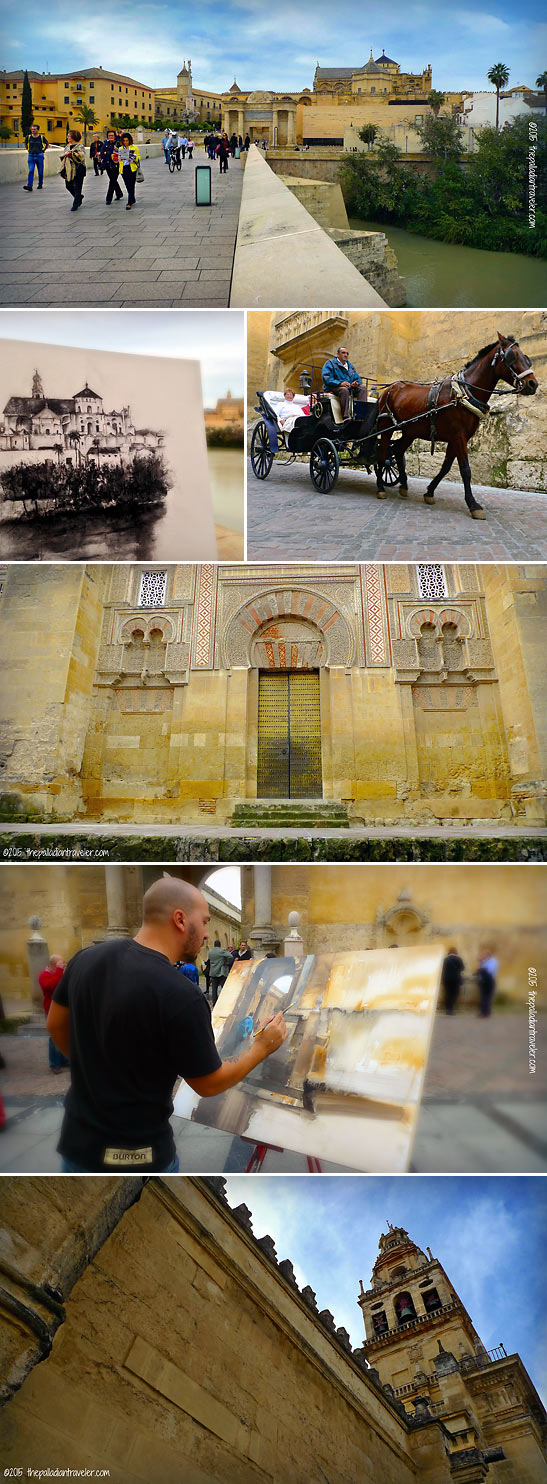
(290, 813)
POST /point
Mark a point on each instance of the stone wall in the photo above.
(350, 907)
(223, 1364)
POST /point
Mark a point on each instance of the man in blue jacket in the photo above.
(340, 377)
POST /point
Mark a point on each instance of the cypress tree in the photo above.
(26, 107)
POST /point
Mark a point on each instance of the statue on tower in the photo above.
(37, 388)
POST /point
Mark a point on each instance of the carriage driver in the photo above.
(341, 378)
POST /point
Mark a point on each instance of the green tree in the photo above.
(368, 134)
(5, 132)
(87, 117)
(442, 138)
(499, 75)
(541, 82)
(27, 114)
(436, 101)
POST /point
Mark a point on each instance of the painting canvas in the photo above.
(102, 455)
(346, 1084)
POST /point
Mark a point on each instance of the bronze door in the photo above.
(289, 735)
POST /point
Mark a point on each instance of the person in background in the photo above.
(451, 979)
(220, 963)
(95, 153)
(188, 966)
(190, 148)
(247, 142)
(487, 974)
(74, 167)
(223, 150)
(244, 951)
(36, 145)
(48, 980)
(166, 141)
(110, 166)
(129, 161)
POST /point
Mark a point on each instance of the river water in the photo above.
(445, 275)
(156, 536)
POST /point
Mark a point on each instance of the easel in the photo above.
(261, 1150)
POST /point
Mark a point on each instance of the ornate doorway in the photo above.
(289, 735)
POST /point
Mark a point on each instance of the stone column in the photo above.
(291, 127)
(37, 958)
(115, 902)
(241, 122)
(275, 126)
(263, 938)
(293, 944)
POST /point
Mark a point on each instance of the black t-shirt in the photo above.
(136, 1025)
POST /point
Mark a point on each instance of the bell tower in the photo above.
(412, 1313)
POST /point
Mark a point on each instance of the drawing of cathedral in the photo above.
(73, 430)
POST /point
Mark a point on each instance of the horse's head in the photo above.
(513, 366)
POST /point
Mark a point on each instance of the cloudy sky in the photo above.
(213, 337)
(278, 45)
(488, 1232)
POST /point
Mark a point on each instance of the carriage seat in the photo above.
(274, 399)
(335, 405)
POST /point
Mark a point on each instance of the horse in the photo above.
(450, 411)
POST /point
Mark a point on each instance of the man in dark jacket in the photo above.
(95, 153)
(451, 979)
(340, 377)
(109, 163)
(36, 144)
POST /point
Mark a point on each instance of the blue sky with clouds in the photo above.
(277, 45)
(487, 1231)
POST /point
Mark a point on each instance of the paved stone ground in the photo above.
(287, 520)
(482, 1109)
(166, 252)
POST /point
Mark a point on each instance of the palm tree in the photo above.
(87, 116)
(541, 82)
(499, 75)
(436, 101)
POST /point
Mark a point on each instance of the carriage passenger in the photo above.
(290, 409)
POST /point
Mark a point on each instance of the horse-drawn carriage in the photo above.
(380, 428)
(321, 433)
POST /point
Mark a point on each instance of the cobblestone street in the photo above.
(166, 252)
(482, 1110)
(289, 521)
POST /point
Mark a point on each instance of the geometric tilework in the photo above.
(375, 619)
(204, 617)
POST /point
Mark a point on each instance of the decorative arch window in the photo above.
(399, 1272)
(452, 647)
(152, 589)
(431, 580)
(428, 647)
(404, 1308)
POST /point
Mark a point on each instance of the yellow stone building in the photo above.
(57, 98)
(187, 101)
(270, 693)
(143, 1322)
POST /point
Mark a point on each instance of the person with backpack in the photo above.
(36, 145)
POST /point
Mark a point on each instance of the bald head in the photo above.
(175, 918)
(168, 894)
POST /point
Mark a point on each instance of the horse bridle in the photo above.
(507, 355)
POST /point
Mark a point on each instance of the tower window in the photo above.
(431, 580)
(431, 1301)
(404, 1308)
(152, 590)
(379, 1323)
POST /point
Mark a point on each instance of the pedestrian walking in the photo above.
(190, 148)
(247, 142)
(166, 141)
(110, 166)
(451, 979)
(220, 963)
(95, 153)
(223, 150)
(128, 160)
(36, 145)
(48, 980)
(74, 167)
(233, 144)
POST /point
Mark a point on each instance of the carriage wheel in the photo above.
(261, 454)
(390, 472)
(324, 466)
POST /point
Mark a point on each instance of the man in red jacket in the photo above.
(48, 981)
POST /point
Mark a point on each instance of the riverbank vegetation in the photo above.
(227, 437)
(480, 199)
(73, 488)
